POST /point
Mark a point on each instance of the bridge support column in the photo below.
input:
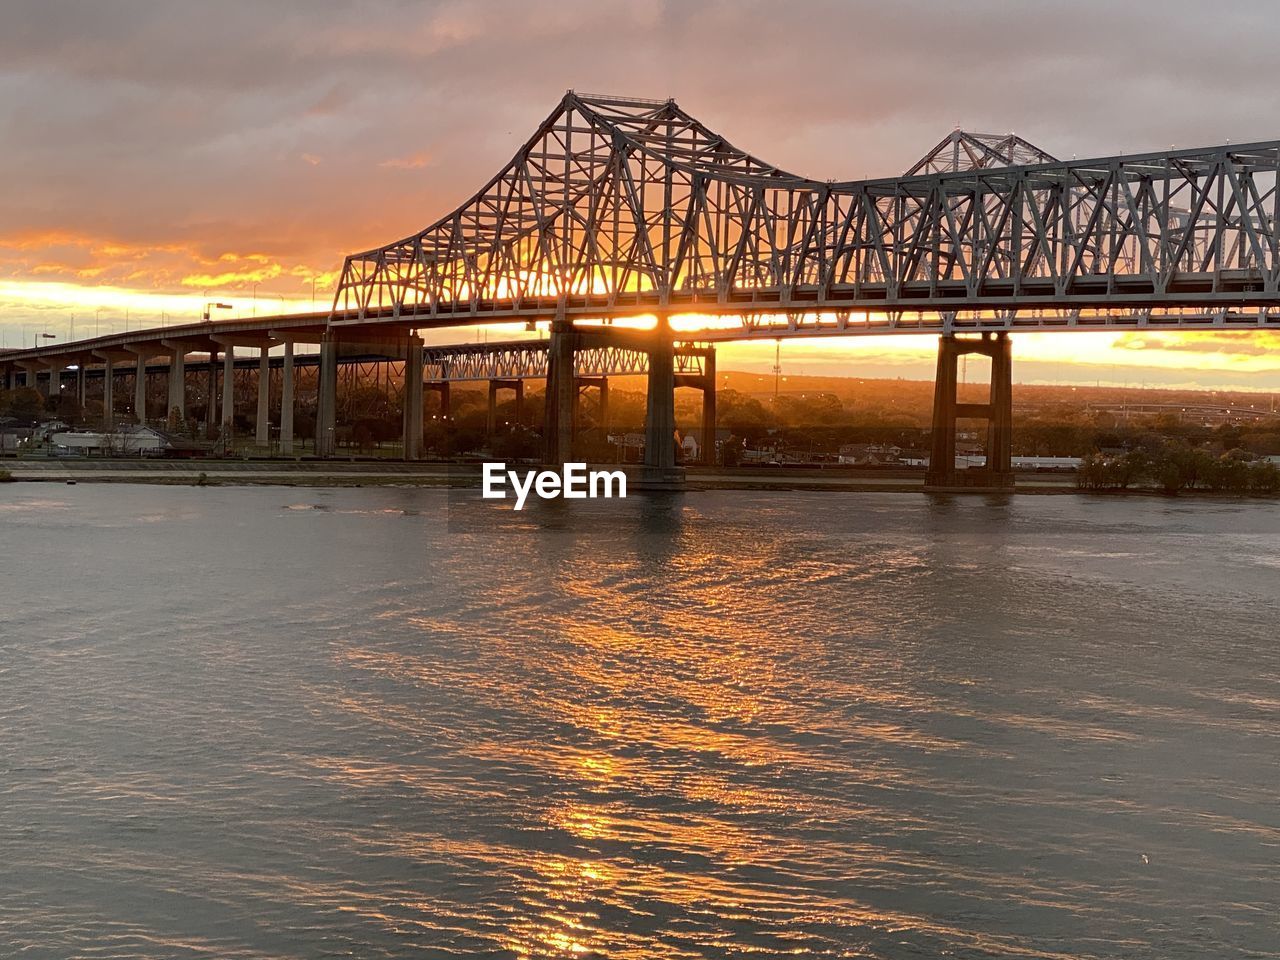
(660, 470)
(709, 408)
(30, 378)
(228, 394)
(286, 401)
(327, 402)
(998, 412)
(80, 383)
(441, 387)
(586, 383)
(557, 430)
(140, 389)
(262, 436)
(55, 379)
(413, 400)
(211, 397)
(495, 385)
(108, 393)
(177, 385)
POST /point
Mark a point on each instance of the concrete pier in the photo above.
(491, 417)
(997, 411)
(286, 401)
(177, 382)
(327, 401)
(227, 422)
(140, 387)
(413, 399)
(561, 394)
(262, 436)
(660, 471)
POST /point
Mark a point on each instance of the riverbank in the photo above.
(315, 473)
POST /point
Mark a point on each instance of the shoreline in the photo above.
(315, 473)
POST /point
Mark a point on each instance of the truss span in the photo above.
(619, 207)
(528, 360)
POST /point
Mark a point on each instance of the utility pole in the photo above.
(777, 368)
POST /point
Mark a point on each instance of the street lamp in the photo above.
(255, 299)
(45, 336)
(211, 306)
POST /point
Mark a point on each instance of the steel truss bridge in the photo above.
(619, 208)
(623, 207)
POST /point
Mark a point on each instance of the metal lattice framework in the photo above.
(979, 151)
(527, 360)
(620, 207)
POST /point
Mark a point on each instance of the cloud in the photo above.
(144, 140)
(415, 162)
(1240, 343)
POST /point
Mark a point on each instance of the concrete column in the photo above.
(178, 384)
(1000, 424)
(413, 400)
(562, 392)
(709, 408)
(55, 379)
(140, 389)
(286, 401)
(263, 438)
(109, 393)
(33, 380)
(660, 414)
(491, 419)
(942, 454)
(211, 397)
(519, 388)
(997, 411)
(327, 405)
(80, 383)
(228, 393)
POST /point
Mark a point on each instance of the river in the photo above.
(308, 723)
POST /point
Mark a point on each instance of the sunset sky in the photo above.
(160, 155)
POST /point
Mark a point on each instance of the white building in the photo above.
(126, 441)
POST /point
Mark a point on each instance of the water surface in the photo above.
(291, 723)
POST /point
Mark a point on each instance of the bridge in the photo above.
(618, 209)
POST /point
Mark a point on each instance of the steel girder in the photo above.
(618, 207)
(527, 360)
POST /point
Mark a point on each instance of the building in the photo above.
(129, 441)
(869, 454)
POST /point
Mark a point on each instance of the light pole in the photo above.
(255, 300)
(211, 306)
(97, 315)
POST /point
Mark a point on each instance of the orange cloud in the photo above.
(1244, 343)
(415, 162)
